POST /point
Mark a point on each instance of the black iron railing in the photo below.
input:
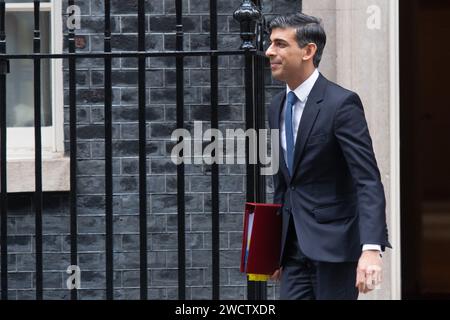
(252, 30)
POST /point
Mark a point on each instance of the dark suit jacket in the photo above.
(335, 196)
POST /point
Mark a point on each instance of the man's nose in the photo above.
(269, 52)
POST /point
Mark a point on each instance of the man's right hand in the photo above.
(276, 275)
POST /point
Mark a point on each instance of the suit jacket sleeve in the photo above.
(279, 186)
(353, 136)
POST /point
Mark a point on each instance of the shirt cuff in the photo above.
(369, 247)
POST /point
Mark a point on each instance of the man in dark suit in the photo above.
(334, 222)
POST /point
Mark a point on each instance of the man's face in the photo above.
(286, 57)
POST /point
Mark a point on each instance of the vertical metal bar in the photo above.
(259, 108)
(254, 101)
(142, 151)
(108, 157)
(73, 153)
(3, 194)
(255, 183)
(215, 231)
(180, 168)
(256, 290)
(247, 15)
(261, 120)
(38, 152)
(252, 287)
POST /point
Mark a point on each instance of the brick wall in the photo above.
(161, 179)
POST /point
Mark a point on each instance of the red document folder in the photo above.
(263, 254)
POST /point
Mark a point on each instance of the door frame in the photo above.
(395, 208)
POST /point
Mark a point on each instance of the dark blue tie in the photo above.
(291, 100)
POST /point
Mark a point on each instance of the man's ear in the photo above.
(310, 51)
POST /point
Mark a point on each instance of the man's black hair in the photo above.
(309, 30)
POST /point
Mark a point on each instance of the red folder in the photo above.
(263, 256)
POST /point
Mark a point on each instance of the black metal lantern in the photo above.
(248, 14)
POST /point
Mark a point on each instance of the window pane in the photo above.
(20, 83)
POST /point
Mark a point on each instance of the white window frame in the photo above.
(21, 140)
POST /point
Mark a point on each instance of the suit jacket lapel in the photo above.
(310, 113)
(277, 124)
(279, 109)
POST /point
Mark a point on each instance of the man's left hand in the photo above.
(369, 272)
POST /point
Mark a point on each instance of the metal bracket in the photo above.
(4, 66)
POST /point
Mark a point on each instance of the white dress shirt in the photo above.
(302, 93)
